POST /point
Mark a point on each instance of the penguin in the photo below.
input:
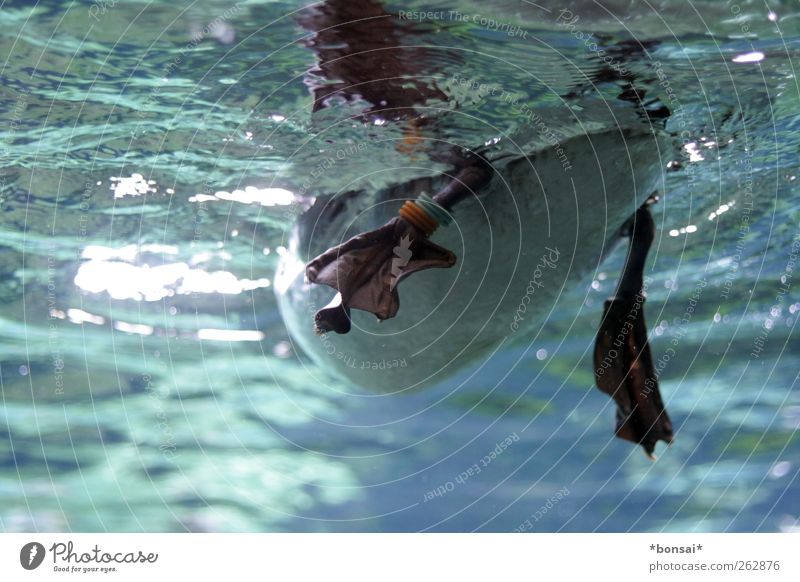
(402, 288)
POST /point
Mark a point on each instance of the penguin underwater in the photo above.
(399, 289)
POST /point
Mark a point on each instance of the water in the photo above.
(148, 381)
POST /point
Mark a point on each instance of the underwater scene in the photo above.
(181, 184)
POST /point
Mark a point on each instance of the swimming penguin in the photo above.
(401, 288)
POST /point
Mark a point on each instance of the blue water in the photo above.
(150, 178)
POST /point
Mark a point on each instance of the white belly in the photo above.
(529, 237)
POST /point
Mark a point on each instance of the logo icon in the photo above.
(31, 555)
(402, 255)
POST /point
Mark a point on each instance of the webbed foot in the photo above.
(367, 268)
(623, 364)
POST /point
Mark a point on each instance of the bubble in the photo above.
(780, 469)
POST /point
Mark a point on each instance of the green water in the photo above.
(149, 384)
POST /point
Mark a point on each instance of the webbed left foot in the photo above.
(367, 268)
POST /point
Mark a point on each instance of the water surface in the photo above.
(154, 157)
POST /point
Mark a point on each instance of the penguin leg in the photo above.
(623, 365)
